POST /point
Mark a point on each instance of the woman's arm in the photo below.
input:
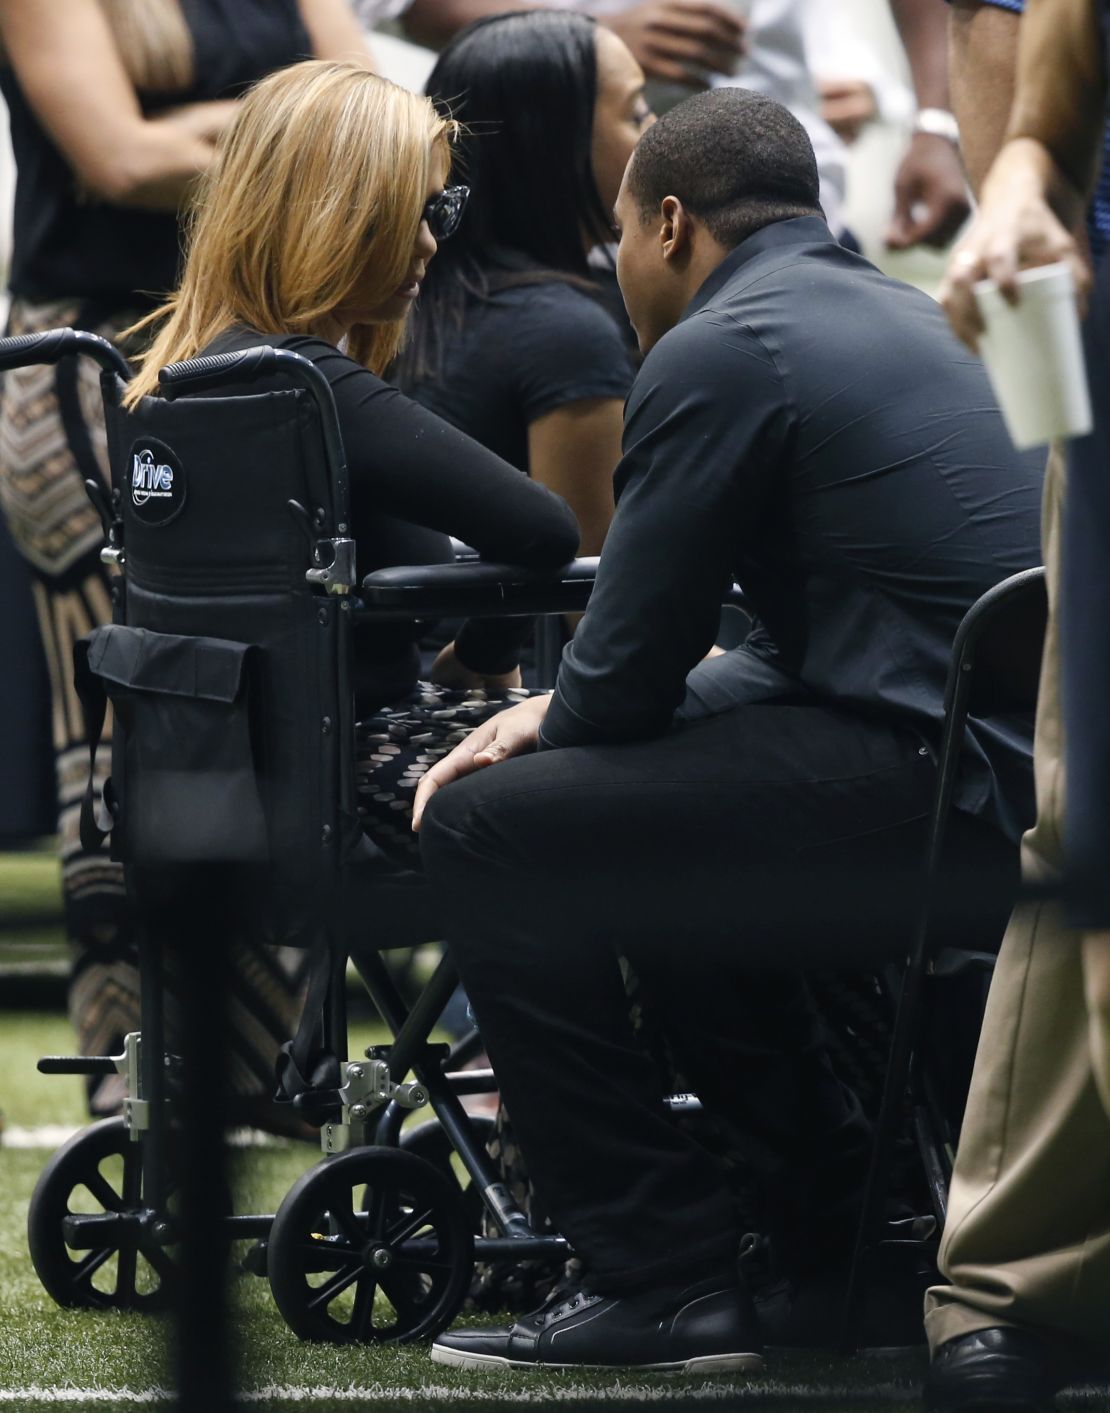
(406, 461)
(334, 31)
(982, 58)
(574, 452)
(1034, 194)
(69, 67)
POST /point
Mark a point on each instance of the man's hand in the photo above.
(681, 40)
(1014, 228)
(847, 105)
(448, 671)
(930, 194)
(514, 732)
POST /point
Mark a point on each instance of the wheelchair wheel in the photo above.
(98, 1171)
(370, 1246)
(429, 1141)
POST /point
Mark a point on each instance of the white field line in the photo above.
(44, 1136)
(54, 1135)
(544, 1392)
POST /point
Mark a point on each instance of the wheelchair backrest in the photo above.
(223, 505)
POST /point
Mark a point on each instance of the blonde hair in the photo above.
(154, 43)
(318, 184)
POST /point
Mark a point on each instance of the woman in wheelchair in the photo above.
(313, 232)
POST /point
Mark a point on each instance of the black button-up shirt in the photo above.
(812, 429)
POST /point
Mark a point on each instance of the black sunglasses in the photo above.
(443, 212)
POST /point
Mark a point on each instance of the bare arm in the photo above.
(1035, 193)
(433, 22)
(573, 451)
(922, 26)
(930, 202)
(1061, 96)
(671, 39)
(70, 69)
(334, 31)
(982, 73)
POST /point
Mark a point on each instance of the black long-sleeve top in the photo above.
(812, 429)
(416, 480)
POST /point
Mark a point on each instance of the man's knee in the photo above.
(462, 828)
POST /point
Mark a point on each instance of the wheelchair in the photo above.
(228, 671)
(228, 667)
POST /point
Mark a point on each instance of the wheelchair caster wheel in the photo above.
(429, 1141)
(98, 1174)
(370, 1246)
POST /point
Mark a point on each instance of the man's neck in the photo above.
(706, 255)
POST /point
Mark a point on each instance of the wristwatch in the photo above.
(937, 122)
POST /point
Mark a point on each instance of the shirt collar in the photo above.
(800, 230)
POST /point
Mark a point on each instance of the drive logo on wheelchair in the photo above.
(157, 482)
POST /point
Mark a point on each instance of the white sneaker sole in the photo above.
(702, 1364)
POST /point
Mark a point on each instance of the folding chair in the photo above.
(994, 671)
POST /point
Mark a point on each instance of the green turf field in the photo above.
(93, 1360)
(49, 1356)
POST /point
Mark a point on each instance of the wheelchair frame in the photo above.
(369, 1103)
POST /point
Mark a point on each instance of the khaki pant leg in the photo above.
(1028, 1234)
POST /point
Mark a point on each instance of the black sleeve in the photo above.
(407, 462)
(704, 435)
(566, 349)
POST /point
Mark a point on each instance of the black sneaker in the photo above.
(708, 1328)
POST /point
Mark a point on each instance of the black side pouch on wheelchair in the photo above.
(185, 785)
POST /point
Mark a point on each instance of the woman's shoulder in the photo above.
(567, 299)
(331, 361)
(554, 320)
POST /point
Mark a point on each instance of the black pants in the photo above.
(720, 860)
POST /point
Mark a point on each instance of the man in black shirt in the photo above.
(811, 428)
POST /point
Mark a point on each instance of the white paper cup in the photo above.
(1034, 356)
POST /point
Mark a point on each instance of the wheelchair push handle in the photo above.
(247, 364)
(54, 344)
(198, 374)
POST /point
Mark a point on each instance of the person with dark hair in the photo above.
(762, 170)
(812, 428)
(511, 343)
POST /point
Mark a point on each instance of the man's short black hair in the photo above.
(735, 159)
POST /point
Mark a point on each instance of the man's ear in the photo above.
(674, 230)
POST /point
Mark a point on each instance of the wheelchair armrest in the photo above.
(476, 590)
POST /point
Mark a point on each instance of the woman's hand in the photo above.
(202, 121)
(1015, 228)
(448, 671)
(515, 732)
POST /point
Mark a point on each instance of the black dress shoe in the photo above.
(999, 1370)
(706, 1328)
